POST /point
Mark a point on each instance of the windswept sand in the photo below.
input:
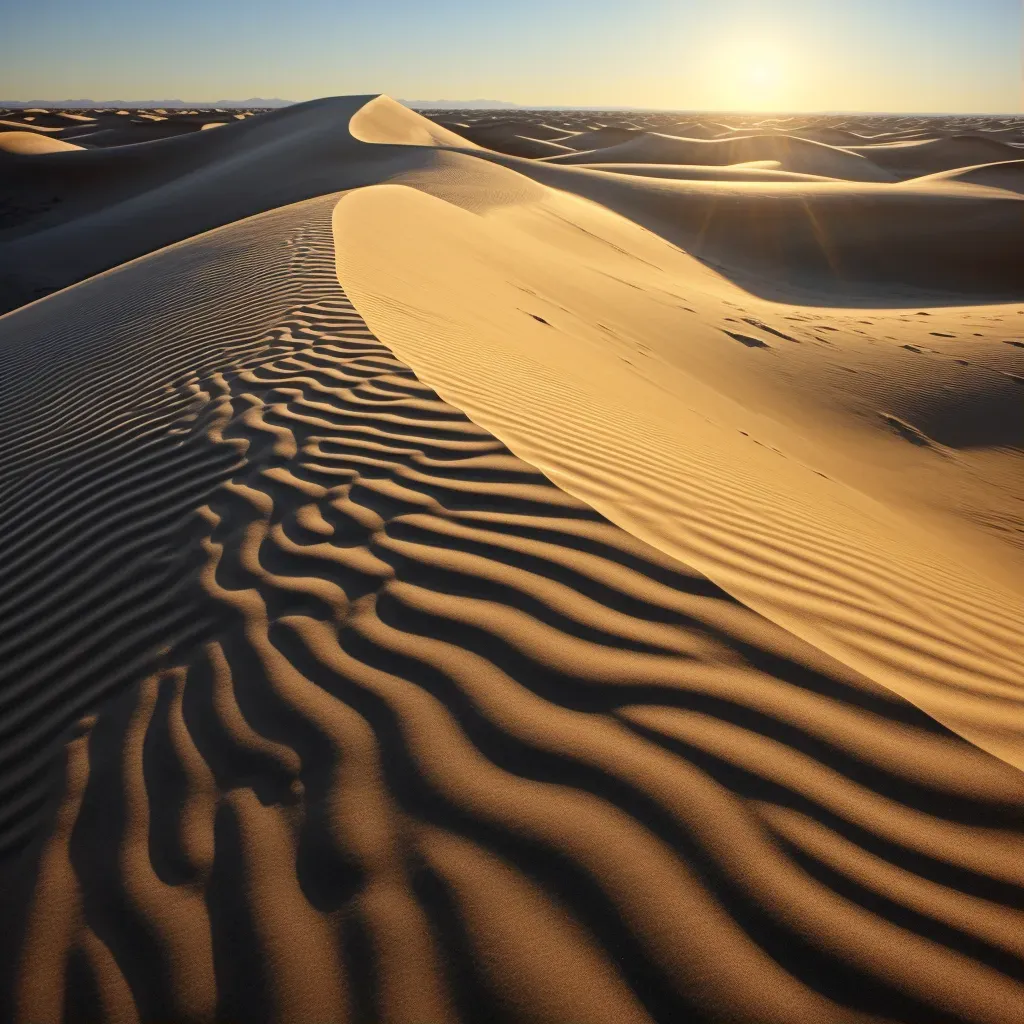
(442, 584)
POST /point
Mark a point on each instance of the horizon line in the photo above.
(500, 105)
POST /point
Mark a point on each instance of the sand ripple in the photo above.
(435, 741)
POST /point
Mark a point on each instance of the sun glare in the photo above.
(764, 71)
(751, 76)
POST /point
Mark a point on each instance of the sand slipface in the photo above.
(450, 581)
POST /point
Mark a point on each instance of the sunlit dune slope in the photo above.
(403, 671)
(32, 143)
(446, 585)
(595, 364)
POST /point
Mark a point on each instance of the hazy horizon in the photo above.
(796, 56)
(495, 105)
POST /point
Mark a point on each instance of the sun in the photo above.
(751, 75)
(762, 71)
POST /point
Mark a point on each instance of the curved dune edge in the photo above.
(754, 170)
(1004, 174)
(447, 292)
(382, 120)
(31, 143)
(140, 198)
(795, 154)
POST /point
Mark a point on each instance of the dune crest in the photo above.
(384, 121)
(749, 531)
(142, 197)
(30, 143)
(444, 585)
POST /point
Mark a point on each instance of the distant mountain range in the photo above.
(259, 101)
(255, 101)
(459, 104)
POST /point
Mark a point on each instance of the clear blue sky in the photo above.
(900, 55)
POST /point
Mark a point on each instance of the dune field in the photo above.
(511, 566)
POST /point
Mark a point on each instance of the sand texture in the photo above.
(544, 567)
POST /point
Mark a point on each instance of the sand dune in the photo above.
(142, 197)
(601, 138)
(500, 135)
(831, 136)
(578, 374)
(523, 145)
(793, 154)
(27, 126)
(104, 128)
(490, 128)
(31, 143)
(822, 242)
(1005, 174)
(445, 591)
(690, 130)
(763, 170)
(929, 155)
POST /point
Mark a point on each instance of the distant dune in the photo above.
(252, 102)
(26, 143)
(791, 153)
(455, 104)
(924, 156)
(534, 566)
(1004, 174)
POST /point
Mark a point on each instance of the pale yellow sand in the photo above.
(26, 143)
(453, 598)
(773, 527)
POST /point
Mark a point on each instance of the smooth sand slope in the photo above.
(450, 599)
(32, 143)
(140, 197)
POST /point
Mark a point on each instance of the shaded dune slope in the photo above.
(418, 674)
(823, 242)
(524, 145)
(99, 480)
(1004, 174)
(926, 156)
(141, 197)
(587, 130)
(852, 233)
